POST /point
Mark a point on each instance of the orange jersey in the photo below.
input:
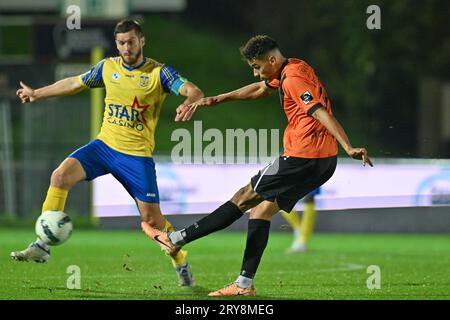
(301, 93)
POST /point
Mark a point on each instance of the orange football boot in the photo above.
(233, 290)
(161, 238)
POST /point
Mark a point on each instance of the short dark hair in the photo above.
(257, 46)
(127, 25)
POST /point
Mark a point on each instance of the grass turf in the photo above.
(127, 265)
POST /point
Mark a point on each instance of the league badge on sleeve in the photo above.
(306, 97)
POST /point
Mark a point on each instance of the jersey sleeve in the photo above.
(171, 80)
(305, 94)
(94, 77)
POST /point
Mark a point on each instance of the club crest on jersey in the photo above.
(306, 97)
(115, 76)
(144, 80)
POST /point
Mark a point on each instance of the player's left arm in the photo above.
(311, 98)
(334, 127)
(172, 82)
(191, 92)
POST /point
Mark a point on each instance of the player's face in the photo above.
(130, 47)
(264, 68)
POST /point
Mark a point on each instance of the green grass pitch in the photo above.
(127, 265)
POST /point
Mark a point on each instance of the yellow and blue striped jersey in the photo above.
(133, 101)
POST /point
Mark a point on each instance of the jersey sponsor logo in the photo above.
(306, 97)
(131, 116)
(115, 76)
(144, 81)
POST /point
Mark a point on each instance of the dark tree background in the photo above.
(372, 76)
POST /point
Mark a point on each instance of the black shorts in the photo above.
(289, 179)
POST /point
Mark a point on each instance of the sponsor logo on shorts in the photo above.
(151, 195)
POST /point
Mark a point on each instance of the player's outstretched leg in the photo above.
(178, 256)
(243, 200)
(160, 237)
(157, 227)
(219, 219)
(63, 178)
(179, 262)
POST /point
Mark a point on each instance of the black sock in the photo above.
(257, 238)
(219, 219)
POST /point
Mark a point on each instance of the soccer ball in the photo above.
(53, 227)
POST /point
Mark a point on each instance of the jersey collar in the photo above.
(136, 67)
(282, 68)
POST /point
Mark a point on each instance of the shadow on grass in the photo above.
(185, 293)
(97, 293)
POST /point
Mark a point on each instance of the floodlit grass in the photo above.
(127, 265)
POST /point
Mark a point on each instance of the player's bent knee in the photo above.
(60, 179)
(246, 198)
(67, 174)
(265, 210)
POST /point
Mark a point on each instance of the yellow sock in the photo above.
(308, 221)
(180, 257)
(293, 218)
(55, 200)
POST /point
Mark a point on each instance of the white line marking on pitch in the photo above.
(344, 267)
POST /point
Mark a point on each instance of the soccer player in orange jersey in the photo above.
(308, 161)
(136, 87)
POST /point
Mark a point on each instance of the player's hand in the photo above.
(25, 93)
(186, 111)
(360, 154)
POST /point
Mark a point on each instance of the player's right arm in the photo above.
(72, 85)
(63, 87)
(249, 92)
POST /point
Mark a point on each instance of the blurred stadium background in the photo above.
(390, 88)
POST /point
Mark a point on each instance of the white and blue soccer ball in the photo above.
(54, 227)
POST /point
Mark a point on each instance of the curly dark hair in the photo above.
(127, 25)
(257, 46)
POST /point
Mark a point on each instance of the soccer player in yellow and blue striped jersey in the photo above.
(136, 87)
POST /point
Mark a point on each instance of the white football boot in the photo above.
(185, 275)
(35, 252)
(297, 245)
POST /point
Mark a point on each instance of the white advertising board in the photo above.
(197, 188)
